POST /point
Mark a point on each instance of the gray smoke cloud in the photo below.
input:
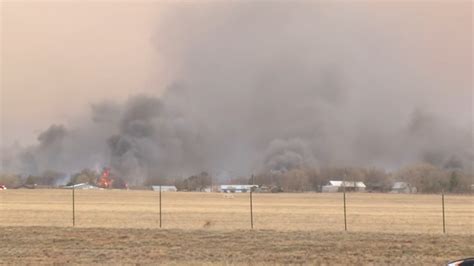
(268, 87)
(285, 155)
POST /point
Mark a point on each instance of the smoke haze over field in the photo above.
(274, 86)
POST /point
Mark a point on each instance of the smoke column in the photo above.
(271, 87)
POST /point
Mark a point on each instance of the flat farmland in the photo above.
(366, 212)
(118, 226)
(66, 245)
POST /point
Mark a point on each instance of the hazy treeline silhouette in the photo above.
(426, 178)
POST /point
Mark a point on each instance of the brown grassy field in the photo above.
(122, 226)
(366, 212)
(65, 245)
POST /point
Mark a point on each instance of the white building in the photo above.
(236, 188)
(338, 186)
(402, 187)
(165, 188)
(81, 186)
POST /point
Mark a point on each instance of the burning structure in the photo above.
(107, 180)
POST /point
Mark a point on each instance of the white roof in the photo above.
(82, 186)
(399, 185)
(347, 184)
(237, 186)
(157, 188)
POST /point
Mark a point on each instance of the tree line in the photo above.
(425, 177)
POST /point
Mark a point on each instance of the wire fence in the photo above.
(371, 212)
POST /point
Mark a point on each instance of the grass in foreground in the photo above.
(39, 245)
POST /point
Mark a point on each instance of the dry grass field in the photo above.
(122, 226)
(51, 245)
(366, 212)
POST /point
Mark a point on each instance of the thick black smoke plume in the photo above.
(269, 87)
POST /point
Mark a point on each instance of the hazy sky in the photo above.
(58, 57)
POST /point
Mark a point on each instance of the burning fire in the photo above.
(104, 180)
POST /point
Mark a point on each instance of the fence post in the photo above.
(73, 206)
(345, 217)
(344, 199)
(442, 203)
(251, 209)
(160, 206)
(251, 203)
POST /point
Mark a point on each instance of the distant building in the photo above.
(165, 188)
(338, 186)
(268, 189)
(236, 188)
(403, 187)
(82, 186)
